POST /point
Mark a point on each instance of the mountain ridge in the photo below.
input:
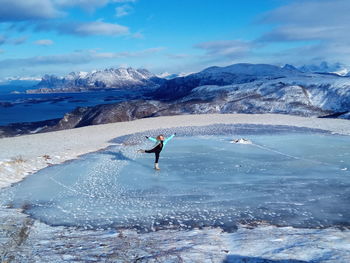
(112, 78)
(238, 88)
(241, 73)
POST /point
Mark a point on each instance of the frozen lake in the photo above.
(286, 177)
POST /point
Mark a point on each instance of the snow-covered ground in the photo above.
(23, 239)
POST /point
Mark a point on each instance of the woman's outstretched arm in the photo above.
(169, 138)
(151, 139)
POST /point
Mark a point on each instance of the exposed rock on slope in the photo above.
(106, 113)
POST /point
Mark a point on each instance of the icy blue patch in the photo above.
(287, 177)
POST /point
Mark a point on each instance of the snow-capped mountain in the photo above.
(240, 88)
(258, 70)
(233, 74)
(100, 79)
(325, 67)
(167, 75)
(259, 88)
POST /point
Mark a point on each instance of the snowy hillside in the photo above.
(233, 74)
(251, 88)
(295, 96)
(260, 70)
(324, 67)
(101, 79)
(315, 96)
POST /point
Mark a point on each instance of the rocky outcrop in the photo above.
(107, 113)
(23, 128)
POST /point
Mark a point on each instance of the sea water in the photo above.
(39, 107)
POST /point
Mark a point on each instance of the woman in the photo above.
(160, 141)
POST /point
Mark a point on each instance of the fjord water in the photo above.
(286, 179)
(16, 108)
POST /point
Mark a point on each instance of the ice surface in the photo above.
(286, 177)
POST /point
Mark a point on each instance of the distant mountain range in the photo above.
(325, 67)
(125, 78)
(238, 88)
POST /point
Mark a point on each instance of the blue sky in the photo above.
(59, 36)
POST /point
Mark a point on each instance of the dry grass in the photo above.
(46, 157)
(17, 160)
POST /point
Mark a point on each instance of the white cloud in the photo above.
(41, 15)
(325, 24)
(138, 35)
(13, 41)
(178, 56)
(78, 57)
(311, 13)
(19, 40)
(44, 42)
(89, 5)
(24, 10)
(225, 48)
(309, 20)
(97, 28)
(123, 1)
(2, 40)
(21, 10)
(123, 10)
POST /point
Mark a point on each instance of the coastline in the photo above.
(27, 154)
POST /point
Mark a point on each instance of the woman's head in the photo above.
(160, 137)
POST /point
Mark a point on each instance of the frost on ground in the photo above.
(280, 244)
(23, 240)
(17, 167)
